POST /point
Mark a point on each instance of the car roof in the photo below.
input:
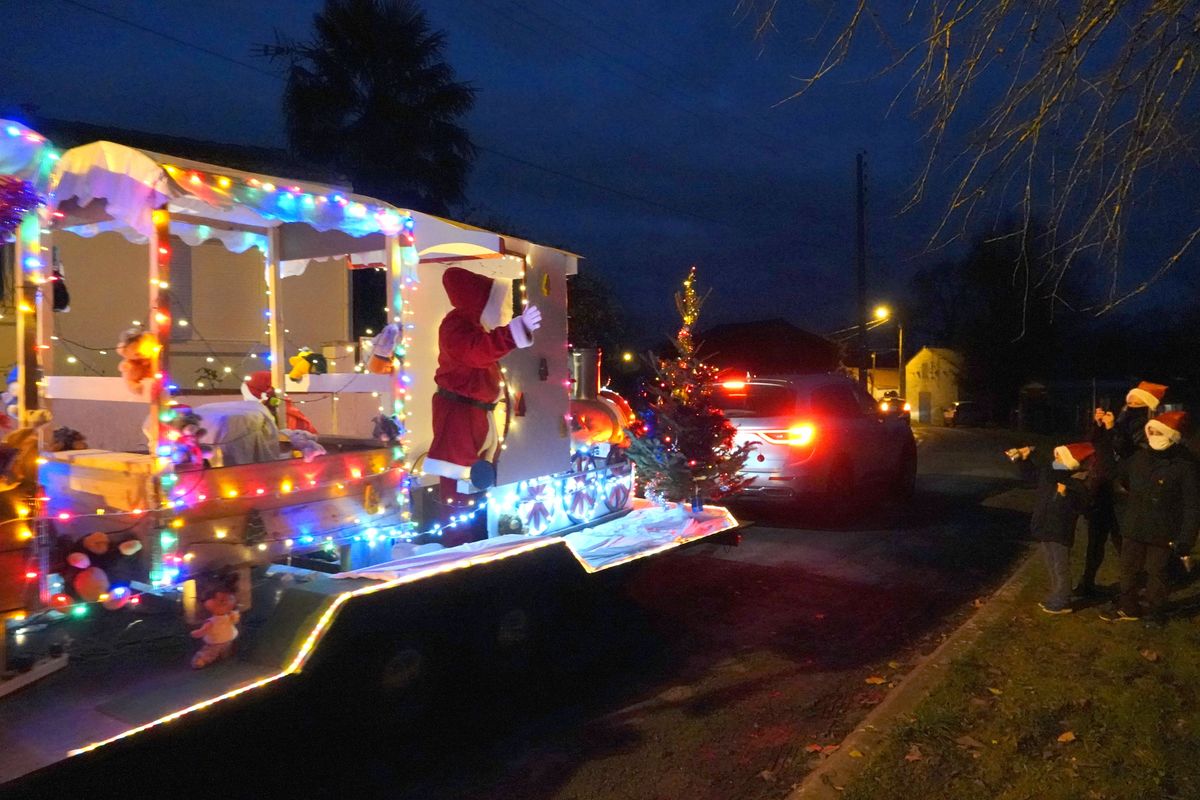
(804, 381)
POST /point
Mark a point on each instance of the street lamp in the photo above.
(882, 314)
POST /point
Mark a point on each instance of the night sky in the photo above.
(673, 101)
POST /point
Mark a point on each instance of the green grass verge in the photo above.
(1130, 697)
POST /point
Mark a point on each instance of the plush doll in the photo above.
(65, 438)
(220, 629)
(137, 349)
(19, 454)
(471, 343)
(10, 396)
(185, 435)
(300, 364)
(381, 360)
(259, 388)
(91, 561)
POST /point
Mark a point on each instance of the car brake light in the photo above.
(734, 386)
(801, 435)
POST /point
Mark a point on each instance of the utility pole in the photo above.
(862, 268)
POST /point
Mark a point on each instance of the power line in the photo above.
(776, 140)
(170, 38)
(482, 148)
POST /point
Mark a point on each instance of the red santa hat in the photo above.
(1072, 456)
(1169, 424)
(1150, 394)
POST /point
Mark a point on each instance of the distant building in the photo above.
(883, 376)
(767, 347)
(932, 379)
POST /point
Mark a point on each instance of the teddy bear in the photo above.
(91, 561)
(19, 454)
(220, 629)
(137, 349)
(65, 438)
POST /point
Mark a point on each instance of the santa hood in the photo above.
(477, 295)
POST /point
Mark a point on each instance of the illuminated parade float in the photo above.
(224, 459)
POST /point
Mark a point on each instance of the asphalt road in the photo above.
(730, 662)
(710, 673)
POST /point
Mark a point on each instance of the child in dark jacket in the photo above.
(1162, 516)
(1063, 493)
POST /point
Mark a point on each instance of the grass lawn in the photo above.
(1046, 707)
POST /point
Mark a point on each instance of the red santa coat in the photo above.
(468, 373)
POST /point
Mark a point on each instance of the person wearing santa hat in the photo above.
(1129, 427)
(1102, 513)
(1063, 493)
(1162, 516)
(471, 343)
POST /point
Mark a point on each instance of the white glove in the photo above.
(531, 318)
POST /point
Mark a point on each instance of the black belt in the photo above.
(468, 401)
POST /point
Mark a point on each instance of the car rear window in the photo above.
(755, 400)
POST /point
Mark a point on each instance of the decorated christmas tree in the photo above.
(685, 450)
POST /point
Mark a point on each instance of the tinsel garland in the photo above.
(17, 198)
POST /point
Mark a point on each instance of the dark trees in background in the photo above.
(1080, 113)
(371, 95)
(989, 307)
(594, 319)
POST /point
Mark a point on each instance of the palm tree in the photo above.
(372, 96)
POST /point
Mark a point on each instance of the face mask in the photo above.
(1156, 440)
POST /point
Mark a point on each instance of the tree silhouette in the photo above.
(1079, 114)
(371, 95)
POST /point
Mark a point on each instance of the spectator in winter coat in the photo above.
(1063, 493)
(1101, 514)
(1162, 516)
(1129, 430)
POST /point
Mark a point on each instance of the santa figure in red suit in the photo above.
(471, 343)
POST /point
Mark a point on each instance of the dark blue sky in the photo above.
(671, 100)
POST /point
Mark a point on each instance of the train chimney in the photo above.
(585, 373)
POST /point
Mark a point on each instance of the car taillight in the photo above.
(907, 407)
(733, 386)
(885, 406)
(801, 435)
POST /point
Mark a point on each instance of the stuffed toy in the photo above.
(471, 343)
(299, 364)
(10, 396)
(91, 562)
(220, 629)
(65, 438)
(259, 388)
(19, 454)
(185, 434)
(381, 360)
(304, 443)
(137, 349)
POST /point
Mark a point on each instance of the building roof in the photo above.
(767, 347)
(941, 352)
